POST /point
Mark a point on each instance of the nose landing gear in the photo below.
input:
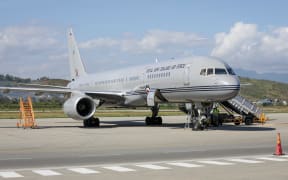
(154, 119)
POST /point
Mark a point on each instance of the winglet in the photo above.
(77, 68)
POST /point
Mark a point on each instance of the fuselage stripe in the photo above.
(189, 89)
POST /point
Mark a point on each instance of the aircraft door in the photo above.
(187, 73)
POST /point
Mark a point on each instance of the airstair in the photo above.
(249, 111)
(27, 118)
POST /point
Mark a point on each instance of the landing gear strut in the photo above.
(91, 122)
(154, 119)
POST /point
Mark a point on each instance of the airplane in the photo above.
(197, 82)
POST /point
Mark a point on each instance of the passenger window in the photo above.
(203, 72)
(209, 71)
(220, 71)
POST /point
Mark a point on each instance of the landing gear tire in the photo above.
(91, 122)
(159, 120)
(196, 126)
(148, 121)
(153, 121)
(248, 121)
(237, 123)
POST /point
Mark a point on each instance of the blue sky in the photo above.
(122, 33)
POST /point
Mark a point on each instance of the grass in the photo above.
(123, 113)
(116, 113)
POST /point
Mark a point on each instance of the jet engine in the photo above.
(79, 107)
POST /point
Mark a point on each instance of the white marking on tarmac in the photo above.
(152, 166)
(272, 159)
(10, 174)
(216, 163)
(83, 170)
(46, 172)
(245, 161)
(119, 169)
(188, 165)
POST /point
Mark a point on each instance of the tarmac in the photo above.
(124, 148)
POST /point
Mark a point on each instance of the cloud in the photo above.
(36, 51)
(99, 43)
(246, 47)
(154, 41)
(27, 37)
(28, 50)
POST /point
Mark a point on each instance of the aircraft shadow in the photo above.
(114, 124)
(141, 123)
(227, 127)
(136, 123)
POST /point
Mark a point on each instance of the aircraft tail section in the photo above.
(77, 68)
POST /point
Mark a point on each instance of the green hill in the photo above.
(259, 89)
(48, 81)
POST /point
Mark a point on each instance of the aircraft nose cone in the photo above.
(230, 86)
(234, 83)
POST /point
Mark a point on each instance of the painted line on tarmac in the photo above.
(191, 161)
(273, 159)
(248, 161)
(94, 169)
(10, 174)
(119, 168)
(183, 164)
(152, 166)
(220, 163)
(83, 170)
(46, 172)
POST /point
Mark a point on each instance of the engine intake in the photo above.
(79, 107)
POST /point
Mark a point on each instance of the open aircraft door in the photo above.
(187, 75)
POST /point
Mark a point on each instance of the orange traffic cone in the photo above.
(278, 149)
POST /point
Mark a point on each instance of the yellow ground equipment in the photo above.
(250, 112)
(27, 118)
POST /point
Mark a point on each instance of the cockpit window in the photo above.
(230, 71)
(210, 71)
(220, 71)
(203, 72)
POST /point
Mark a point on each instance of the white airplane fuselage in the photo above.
(178, 81)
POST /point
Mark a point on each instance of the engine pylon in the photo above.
(278, 149)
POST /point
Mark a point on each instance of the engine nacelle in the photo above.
(79, 107)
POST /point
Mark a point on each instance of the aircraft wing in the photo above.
(106, 96)
(110, 97)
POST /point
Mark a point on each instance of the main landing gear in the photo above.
(91, 122)
(154, 119)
